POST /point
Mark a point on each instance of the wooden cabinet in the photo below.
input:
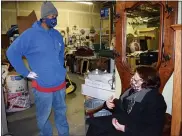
(169, 52)
(165, 63)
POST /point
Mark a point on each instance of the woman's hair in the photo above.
(149, 75)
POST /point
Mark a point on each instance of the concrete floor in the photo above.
(24, 123)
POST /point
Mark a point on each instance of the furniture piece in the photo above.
(168, 55)
(166, 60)
(106, 23)
(87, 66)
(177, 84)
(83, 59)
(165, 63)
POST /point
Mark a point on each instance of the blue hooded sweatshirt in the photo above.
(44, 51)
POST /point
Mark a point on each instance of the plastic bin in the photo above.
(92, 104)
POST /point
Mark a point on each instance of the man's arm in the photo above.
(17, 50)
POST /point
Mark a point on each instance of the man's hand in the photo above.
(32, 75)
(110, 103)
(117, 125)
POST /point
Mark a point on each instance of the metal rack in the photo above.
(106, 37)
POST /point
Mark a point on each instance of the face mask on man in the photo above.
(51, 22)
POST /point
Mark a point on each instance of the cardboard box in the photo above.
(96, 92)
(100, 85)
(105, 78)
(25, 22)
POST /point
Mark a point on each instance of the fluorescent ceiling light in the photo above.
(88, 3)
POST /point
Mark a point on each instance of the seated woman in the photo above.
(140, 110)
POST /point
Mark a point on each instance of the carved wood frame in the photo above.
(166, 47)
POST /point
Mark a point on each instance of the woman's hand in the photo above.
(110, 103)
(117, 125)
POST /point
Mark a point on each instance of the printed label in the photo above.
(16, 78)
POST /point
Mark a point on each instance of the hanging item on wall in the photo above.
(68, 37)
(73, 38)
(82, 38)
(77, 37)
(78, 41)
(82, 31)
(87, 37)
(67, 29)
(75, 29)
(92, 30)
(63, 33)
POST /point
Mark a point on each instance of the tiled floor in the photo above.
(24, 123)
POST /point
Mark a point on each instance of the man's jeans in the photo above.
(44, 103)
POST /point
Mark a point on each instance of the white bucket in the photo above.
(16, 83)
(18, 96)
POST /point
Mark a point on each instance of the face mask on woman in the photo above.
(136, 82)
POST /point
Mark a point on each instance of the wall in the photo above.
(118, 84)
(8, 15)
(70, 13)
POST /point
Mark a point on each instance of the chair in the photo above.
(82, 64)
(167, 125)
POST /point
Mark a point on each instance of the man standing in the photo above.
(43, 47)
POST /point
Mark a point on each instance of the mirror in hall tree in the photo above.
(142, 35)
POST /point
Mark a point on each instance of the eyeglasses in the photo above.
(136, 80)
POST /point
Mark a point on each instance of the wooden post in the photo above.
(177, 83)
